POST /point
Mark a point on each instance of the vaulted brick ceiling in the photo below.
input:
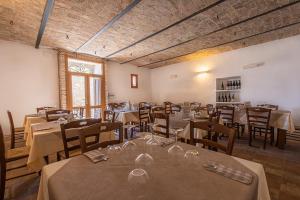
(153, 33)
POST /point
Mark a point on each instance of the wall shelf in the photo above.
(228, 90)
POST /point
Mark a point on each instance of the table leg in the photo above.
(281, 134)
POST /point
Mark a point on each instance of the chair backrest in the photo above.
(144, 114)
(12, 130)
(257, 116)
(70, 134)
(168, 107)
(217, 129)
(163, 129)
(109, 116)
(158, 109)
(269, 106)
(38, 109)
(2, 164)
(210, 108)
(227, 113)
(98, 129)
(79, 112)
(143, 104)
(53, 115)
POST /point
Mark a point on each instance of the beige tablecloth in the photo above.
(128, 116)
(169, 185)
(28, 121)
(49, 141)
(279, 119)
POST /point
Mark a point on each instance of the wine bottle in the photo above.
(228, 85)
(225, 98)
(234, 84)
(239, 84)
(232, 99)
(229, 98)
(222, 86)
(219, 98)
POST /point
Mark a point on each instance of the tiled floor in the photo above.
(282, 169)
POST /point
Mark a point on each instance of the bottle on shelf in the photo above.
(225, 98)
(239, 84)
(219, 98)
(229, 85)
(229, 98)
(232, 99)
(233, 85)
(222, 86)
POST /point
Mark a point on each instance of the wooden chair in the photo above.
(43, 108)
(143, 104)
(78, 112)
(144, 117)
(227, 115)
(109, 116)
(16, 134)
(168, 107)
(9, 156)
(214, 117)
(162, 129)
(210, 108)
(259, 118)
(53, 115)
(212, 143)
(97, 130)
(70, 136)
(269, 106)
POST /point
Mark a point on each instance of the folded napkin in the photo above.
(228, 172)
(44, 126)
(166, 142)
(96, 156)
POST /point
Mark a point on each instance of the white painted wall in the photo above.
(118, 83)
(28, 79)
(276, 82)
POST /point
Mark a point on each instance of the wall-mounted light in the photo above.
(202, 71)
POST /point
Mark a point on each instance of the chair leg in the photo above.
(250, 136)
(46, 159)
(265, 141)
(58, 156)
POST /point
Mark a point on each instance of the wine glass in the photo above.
(176, 149)
(138, 176)
(129, 145)
(153, 140)
(144, 159)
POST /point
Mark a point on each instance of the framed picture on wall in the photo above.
(134, 80)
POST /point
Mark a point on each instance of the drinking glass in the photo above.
(144, 159)
(176, 149)
(153, 140)
(138, 176)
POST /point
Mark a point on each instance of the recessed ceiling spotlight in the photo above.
(67, 36)
(95, 52)
(11, 22)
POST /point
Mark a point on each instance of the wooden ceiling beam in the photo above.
(110, 23)
(47, 11)
(218, 30)
(174, 24)
(218, 45)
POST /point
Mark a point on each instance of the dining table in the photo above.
(45, 138)
(169, 177)
(128, 116)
